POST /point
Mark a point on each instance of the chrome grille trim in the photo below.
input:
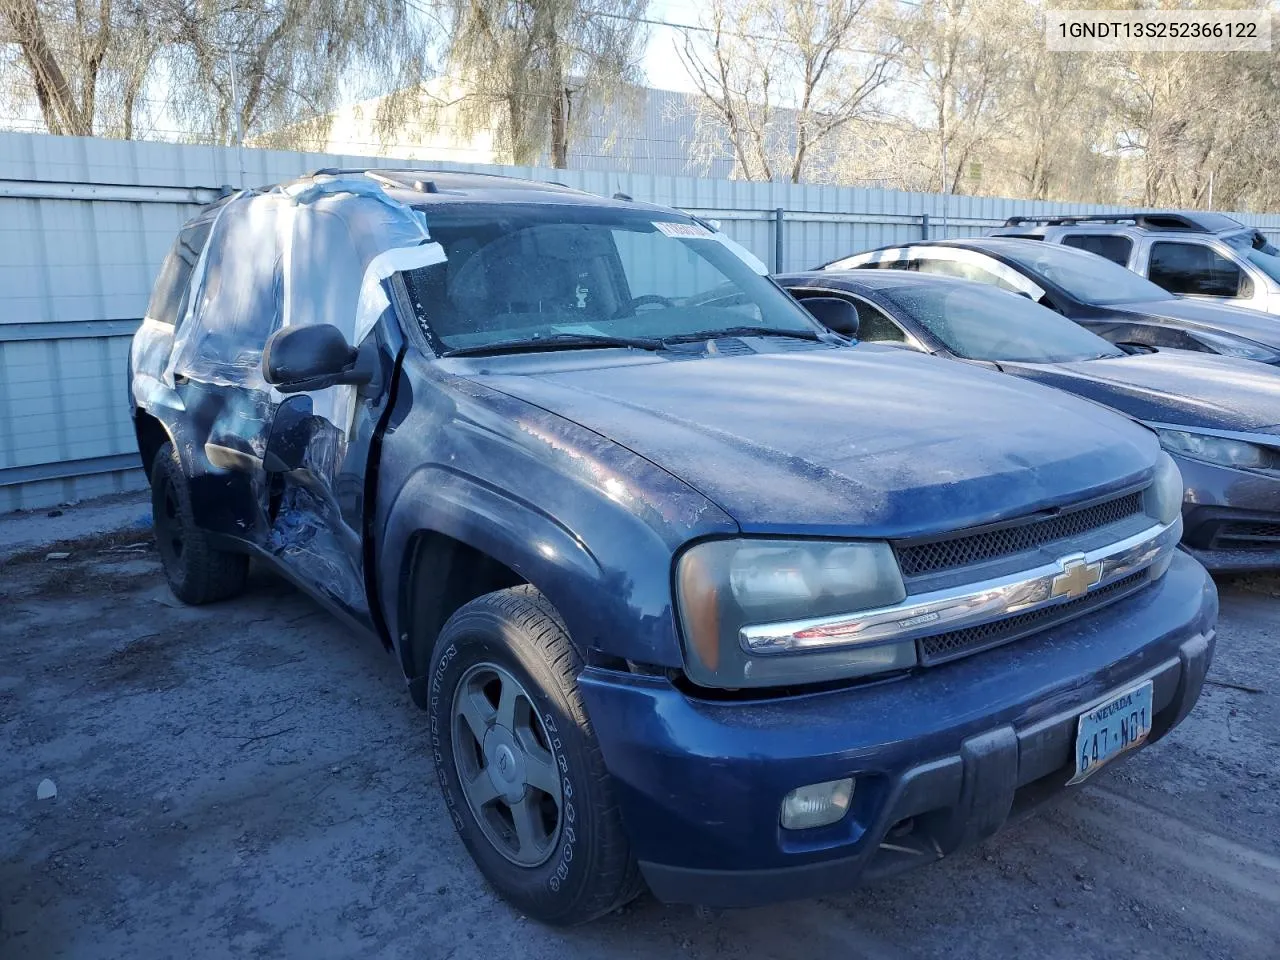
(969, 605)
(923, 558)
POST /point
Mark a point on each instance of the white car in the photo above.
(1207, 256)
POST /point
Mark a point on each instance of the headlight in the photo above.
(1236, 347)
(725, 585)
(1164, 496)
(1221, 450)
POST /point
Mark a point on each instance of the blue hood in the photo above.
(1251, 324)
(1172, 386)
(849, 441)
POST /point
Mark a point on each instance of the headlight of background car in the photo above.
(724, 585)
(1164, 496)
(1235, 347)
(1221, 450)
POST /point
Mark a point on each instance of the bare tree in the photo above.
(779, 79)
(531, 69)
(1059, 116)
(958, 59)
(1187, 119)
(64, 49)
(287, 59)
(88, 65)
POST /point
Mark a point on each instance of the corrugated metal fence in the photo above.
(84, 224)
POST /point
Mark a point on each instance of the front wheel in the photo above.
(197, 571)
(519, 765)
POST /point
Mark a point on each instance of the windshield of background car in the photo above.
(1258, 251)
(980, 322)
(1085, 276)
(533, 271)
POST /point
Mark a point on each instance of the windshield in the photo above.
(559, 275)
(1085, 276)
(1255, 247)
(980, 322)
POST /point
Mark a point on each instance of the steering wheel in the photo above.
(651, 299)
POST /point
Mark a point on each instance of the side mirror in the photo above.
(833, 313)
(311, 357)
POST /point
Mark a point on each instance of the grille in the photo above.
(918, 559)
(1242, 534)
(961, 643)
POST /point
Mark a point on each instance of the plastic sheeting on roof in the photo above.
(312, 253)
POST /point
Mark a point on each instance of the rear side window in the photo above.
(169, 296)
(1112, 247)
(965, 270)
(1193, 268)
(875, 327)
(237, 301)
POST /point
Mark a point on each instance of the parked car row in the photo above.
(1217, 415)
(696, 592)
(1113, 302)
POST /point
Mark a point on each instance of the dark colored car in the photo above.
(1091, 290)
(1216, 415)
(680, 609)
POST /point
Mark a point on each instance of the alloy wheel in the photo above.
(508, 770)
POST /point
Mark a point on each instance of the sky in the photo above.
(662, 67)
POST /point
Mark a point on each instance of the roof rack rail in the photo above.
(404, 180)
(1164, 220)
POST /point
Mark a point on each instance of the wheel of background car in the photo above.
(519, 765)
(197, 572)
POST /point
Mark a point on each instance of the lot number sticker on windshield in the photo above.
(684, 231)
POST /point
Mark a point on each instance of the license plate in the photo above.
(1111, 728)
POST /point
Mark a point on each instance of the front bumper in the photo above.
(1231, 518)
(942, 757)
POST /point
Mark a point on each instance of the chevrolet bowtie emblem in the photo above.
(1076, 578)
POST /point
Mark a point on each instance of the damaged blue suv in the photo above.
(695, 593)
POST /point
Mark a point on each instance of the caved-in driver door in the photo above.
(317, 461)
(323, 444)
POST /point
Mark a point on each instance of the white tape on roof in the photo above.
(373, 298)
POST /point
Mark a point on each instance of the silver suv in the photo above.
(1208, 256)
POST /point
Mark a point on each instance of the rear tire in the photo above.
(197, 571)
(535, 752)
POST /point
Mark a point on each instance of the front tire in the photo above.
(197, 571)
(518, 762)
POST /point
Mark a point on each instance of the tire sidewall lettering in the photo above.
(568, 833)
(437, 737)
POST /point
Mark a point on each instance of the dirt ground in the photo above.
(248, 779)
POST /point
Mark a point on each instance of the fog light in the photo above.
(816, 805)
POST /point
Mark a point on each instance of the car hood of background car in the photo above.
(1250, 324)
(845, 441)
(1172, 386)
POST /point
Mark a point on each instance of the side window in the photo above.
(874, 325)
(965, 270)
(888, 265)
(238, 303)
(169, 296)
(1112, 247)
(1193, 268)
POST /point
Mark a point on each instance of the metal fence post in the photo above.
(924, 226)
(778, 215)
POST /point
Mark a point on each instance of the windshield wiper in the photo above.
(742, 332)
(556, 341)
